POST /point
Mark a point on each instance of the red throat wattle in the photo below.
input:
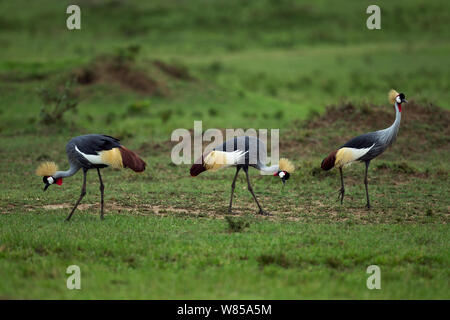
(58, 181)
(399, 105)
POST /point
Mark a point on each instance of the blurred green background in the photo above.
(243, 63)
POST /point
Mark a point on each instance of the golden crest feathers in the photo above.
(286, 165)
(46, 169)
(392, 95)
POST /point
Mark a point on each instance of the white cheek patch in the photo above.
(281, 174)
(398, 99)
(50, 180)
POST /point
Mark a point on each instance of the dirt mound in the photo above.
(126, 74)
(178, 72)
(423, 128)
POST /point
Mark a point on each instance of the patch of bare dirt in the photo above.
(146, 209)
(15, 76)
(158, 209)
(352, 212)
(125, 73)
(178, 72)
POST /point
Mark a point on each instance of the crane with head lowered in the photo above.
(92, 151)
(242, 152)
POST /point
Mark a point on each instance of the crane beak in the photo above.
(46, 186)
(404, 100)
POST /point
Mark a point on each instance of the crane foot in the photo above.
(341, 195)
(230, 211)
(264, 213)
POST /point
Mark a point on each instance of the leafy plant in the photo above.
(237, 224)
(165, 115)
(138, 107)
(126, 55)
(57, 102)
(213, 112)
(279, 259)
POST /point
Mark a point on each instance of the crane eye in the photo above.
(281, 174)
(50, 180)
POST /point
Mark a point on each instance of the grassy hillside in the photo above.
(138, 70)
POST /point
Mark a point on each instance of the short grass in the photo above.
(262, 64)
(170, 257)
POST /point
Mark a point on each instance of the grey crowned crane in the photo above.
(92, 151)
(242, 152)
(366, 147)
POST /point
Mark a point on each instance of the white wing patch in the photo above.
(235, 157)
(345, 156)
(221, 159)
(360, 152)
(94, 159)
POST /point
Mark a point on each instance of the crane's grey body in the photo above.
(89, 144)
(256, 152)
(255, 156)
(377, 141)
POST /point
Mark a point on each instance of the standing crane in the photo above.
(367, 146)
(92, 151)
(242, 152)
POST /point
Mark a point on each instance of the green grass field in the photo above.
(139, 70)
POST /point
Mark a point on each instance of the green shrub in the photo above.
(138, 107)
(57, 102)
(165, 115)
(237, 224)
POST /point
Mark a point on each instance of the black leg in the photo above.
(366, 184)
(233, 185)
(102, 189)
(83, 193)
(261, 211)
(342, 190)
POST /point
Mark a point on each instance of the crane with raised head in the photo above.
(365, 147)
(92, 151)
(242, 152)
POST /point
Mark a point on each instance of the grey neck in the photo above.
(63, 174)
(272, 169)
(388, 135)
(398, 117)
